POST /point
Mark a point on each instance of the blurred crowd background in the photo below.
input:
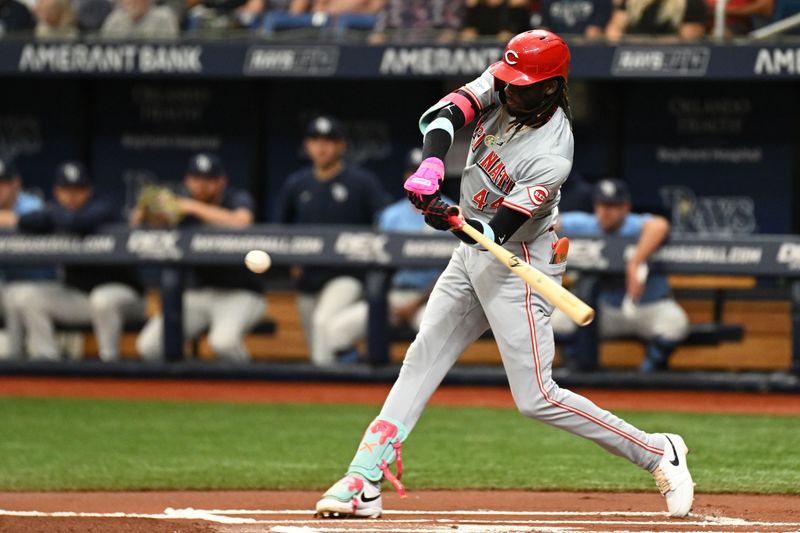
(378, 21)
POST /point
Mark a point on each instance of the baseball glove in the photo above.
(159, 206)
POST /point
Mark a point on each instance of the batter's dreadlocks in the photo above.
(538, 116)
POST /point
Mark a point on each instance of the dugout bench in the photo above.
(264, 327)
(587, 339)
(701, 287)
(775, 257)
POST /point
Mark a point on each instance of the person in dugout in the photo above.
(101, 295)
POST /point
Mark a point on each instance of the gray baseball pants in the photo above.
(227, 314)
(319, 309)
(476, 292)
(663, 319)
(349, 325)
(33, 308)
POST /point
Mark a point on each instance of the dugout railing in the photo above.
(767, 257)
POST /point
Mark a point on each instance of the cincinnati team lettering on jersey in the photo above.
(523, 172)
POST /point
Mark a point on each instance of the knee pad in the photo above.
(380, 447)
(100, 302)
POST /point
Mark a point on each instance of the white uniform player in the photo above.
(521, 153)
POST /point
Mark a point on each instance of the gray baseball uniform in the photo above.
(523, 171)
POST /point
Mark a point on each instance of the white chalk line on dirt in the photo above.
(162, 516)
(466, 528)
(496, 528)
(374, 527)
(221, 516)
(704, 520)
(482, 523)
(461, 529)
(445, 513)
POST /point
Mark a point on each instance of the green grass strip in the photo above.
(57, 444)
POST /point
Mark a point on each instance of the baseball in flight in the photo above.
(258, 261)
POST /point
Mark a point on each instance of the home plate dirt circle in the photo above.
(421, 512)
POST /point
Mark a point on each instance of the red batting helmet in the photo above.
(531, 57)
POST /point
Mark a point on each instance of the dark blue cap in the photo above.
(325, 126)
(72, 174)
(7, 170)
(414, 159)
(206, 166)
(611, 191)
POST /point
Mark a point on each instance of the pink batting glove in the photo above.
(426, 179)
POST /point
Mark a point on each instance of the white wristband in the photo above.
(487, 231)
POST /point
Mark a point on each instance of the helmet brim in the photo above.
(505, 72)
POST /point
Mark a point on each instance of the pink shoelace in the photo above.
(392, 478)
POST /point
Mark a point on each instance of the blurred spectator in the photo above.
(335, 7)
(328, 192)
(219, 14)
(14, 202)
(91, 14)
(577, 17)
(741, 14)
(140, 19)
(249, 12)
(15, 17)
(337, 16)
(629, 305)
(410, 288)
(415, 20)
(55, 19)
(501, 19)
(685, 19)
(226, 301)
(88, 294)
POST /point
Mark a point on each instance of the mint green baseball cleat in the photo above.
(358, 494)
(351, 497)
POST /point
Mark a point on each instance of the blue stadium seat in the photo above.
(275, 21)
(354, 21)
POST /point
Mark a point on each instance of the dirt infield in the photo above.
(422, 511)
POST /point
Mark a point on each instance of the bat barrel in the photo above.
(553, 292)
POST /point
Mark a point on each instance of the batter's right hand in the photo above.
(437, 214)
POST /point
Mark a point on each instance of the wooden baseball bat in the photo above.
(557, 295)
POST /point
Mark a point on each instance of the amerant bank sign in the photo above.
(68, 58)
(777, 61)
(434, 60)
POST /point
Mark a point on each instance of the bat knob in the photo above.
(454, 217)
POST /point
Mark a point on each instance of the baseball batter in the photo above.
(521, 153)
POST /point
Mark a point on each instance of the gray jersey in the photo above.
(477, 292)
(523, 171)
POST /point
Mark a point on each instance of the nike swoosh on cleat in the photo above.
(367, 500)
(674, 462)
